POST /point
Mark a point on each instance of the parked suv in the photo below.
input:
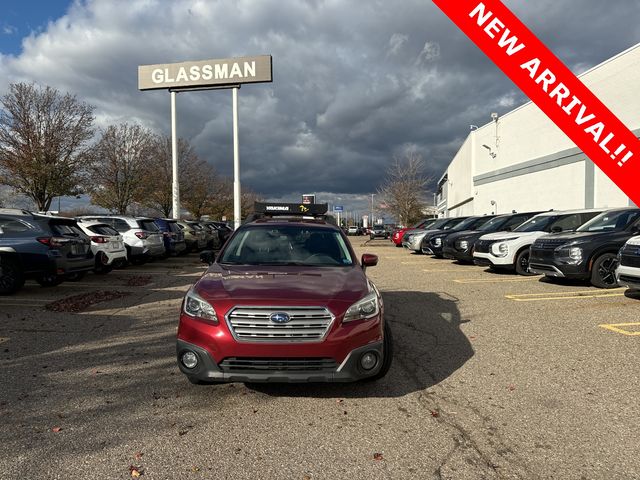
(589, 253)
(398, 234)
(47, 248)
(460, 245)
(510, 250)
(172, 236)
(433, 242)
(628, 271)
(194, 235)
(106, 244)
(286, 300)
(142, 237)
(413, 238)
(378, 231)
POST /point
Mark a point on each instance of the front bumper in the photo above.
(489, 260)
(628, 277)
(208, 370)
(550, 266)
(453, 254)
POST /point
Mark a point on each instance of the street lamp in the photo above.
(493, 202)
(372, 195)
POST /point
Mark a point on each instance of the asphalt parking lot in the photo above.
(495, 376)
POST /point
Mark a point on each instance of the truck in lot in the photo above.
(590, 252)
(460, 245)
(628, 271)
(510, 250)
(286, 300)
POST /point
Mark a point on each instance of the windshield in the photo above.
(493, 225)
(287, 245)
(537, 224)
(148, 225)
(607, 221)
(471, 223)
(439, 223)
(452, 223)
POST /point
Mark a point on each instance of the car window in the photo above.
(566, 223)
(174, 227)
(65, 229)
(289, 245)
(514, 221)
(148, 225)
(9, 225)
(103, 230)
(492, 225)
(120, 225)
(536, 224)
(588, 216)
(452, 223)
(610, 221)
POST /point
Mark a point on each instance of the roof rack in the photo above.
(298, 211)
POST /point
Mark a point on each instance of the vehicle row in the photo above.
(52, 249)
(598, 245)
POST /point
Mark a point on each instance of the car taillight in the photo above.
(53, 242)
(142, 235)
(98, 239)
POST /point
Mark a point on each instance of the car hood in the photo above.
(582, 236)
(464, 234)
(503, 235)
(283, 285)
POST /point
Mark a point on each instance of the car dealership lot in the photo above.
(494, 376)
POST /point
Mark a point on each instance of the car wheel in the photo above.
(101, 267)
(11, 277)
(75, 277)
(603, 272)
(387, 352)
(49, 280)
(522, 263)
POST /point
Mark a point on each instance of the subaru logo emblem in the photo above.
(279, 317)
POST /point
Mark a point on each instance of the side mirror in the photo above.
(556, 229)
(207, 256)
(369, 260)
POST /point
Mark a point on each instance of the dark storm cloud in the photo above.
(355, 83)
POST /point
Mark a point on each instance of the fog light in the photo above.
(369, 360)
(189, 359)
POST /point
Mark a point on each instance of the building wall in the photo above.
(524, 162)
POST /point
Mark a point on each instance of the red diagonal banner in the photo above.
(552, 87)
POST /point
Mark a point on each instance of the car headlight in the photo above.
(500, 249)
(363, 309)
(463, 245)
(437, 242)
(196, 306)
(575, 253)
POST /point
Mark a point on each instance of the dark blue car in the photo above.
(172, 235)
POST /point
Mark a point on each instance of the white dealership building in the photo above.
(522, 161)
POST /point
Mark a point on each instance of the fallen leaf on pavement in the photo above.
(56, 429)
(378, 456)
(138, 455)
(435, 413)
(512, 387)
(135, 471)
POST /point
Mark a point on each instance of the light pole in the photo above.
(372, 195)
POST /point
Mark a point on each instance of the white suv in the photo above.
(510, 250)
(628, 271)
(142, 237)
(106, 244)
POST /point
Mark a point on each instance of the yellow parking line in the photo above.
(614, 327)
(496, 280)
(441, 270)
(535, 297)
(413, 263)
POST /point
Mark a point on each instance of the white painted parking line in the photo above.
(497, 280)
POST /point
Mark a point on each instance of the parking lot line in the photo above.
(429, 270)
(615, 327)
(536, 297)
(497, 280)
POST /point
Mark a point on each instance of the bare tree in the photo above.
(201, 186)
(119, 169)
(44, 137)
(404, 189)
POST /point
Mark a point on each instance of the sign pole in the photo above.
(174, 158)
(236, 163)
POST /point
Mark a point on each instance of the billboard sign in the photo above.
(308, 199)
(205, 73)
(338, 208)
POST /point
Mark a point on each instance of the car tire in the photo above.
(387, 352)
(49, 280)
(522, 263)
(603, 271)
(101, 267)
(11, 277)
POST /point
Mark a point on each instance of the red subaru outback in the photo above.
(285, 301)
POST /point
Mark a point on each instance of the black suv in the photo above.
(459, 245)
(378, 231)
(433, 242)
(46, 248)
(589, 253)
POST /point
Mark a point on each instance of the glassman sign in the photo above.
(205, 73)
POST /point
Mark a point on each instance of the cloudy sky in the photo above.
(355, 82)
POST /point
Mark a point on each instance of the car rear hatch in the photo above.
(150, 232)
(67, 239)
